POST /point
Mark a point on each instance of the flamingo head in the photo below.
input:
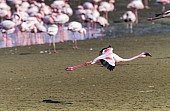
(112, 1)
(83, 30)
(144, 54)
(108, 49)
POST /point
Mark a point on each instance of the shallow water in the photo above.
(116, 31)
(138, 30)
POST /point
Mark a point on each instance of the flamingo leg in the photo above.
(49, 47)
(163, 8)
(131, 27)
(88, 29)
(54, 44)
(102, 32)
(136, 14)
(106, 16)
(78, 66)
(74, 41)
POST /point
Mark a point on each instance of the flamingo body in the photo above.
(88, 5)
(102, 21)
(61, 19)
(52, 30)
(136, 4)
(7, 24)
(109, 59)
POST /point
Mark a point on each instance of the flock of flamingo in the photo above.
(28, 22)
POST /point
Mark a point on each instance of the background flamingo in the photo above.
(4, 11)
(60, 20)
(163, 3)
(130, 18)
(136, 5)
(76, 27)
(52, 31)
(106, 7)
(103, 22)
(162, 15)
(7, 27)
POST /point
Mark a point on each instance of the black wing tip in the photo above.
(147, 54)
(107, 65)
(111, 68)
(109, 46)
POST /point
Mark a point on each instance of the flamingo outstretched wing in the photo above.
(106, 58)
(108, 62)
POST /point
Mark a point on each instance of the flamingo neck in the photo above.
(127, 60)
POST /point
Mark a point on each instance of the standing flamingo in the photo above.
(52, 31)
(103, 22)
(109, 59)
(76, 27)
(136, 5)
(129, 17)
(7, 27)
(95, 14)
(87, 17)
(60, 20)
(163, 3)
(106, 7)
(80, 12)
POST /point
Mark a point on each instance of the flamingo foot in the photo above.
(69, 69)
(49, 52)
(55, 51)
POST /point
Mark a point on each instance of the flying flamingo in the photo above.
(129, 17)
(76, 27)
(109, 59)
(136, 5)
(159, 16)
(163, 3)
(52, 31)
